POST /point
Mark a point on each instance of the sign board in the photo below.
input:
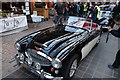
(12, 23)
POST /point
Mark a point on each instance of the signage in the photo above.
(8, 24)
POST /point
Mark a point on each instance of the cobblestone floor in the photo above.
(93, 66)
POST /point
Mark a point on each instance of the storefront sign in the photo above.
(8, 24)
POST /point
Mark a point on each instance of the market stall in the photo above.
(41, 8)
(13, 18)
(12, 25)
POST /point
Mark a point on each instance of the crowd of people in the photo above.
(80, 9)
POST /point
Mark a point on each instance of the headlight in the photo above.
(37, 66)
(56, 63)
(17, 46)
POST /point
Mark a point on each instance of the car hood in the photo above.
(59, 45)
(28, 38)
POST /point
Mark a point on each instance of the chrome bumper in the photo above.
(40, 73)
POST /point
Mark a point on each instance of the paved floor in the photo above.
(8, 50)
(93, 66)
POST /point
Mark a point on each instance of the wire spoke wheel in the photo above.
(73, 68)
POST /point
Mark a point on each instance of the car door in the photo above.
(88, 47)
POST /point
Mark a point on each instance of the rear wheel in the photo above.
(70, 66)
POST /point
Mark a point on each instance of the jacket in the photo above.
(116, 11)
(115, 33)
(85, 7)
(98, 14)
(94, 14)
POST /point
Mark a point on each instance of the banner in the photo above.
(8, 24)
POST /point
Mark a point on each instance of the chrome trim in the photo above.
(44, 55)
(29, 61)
(47, 75)
(65, 49)
(17, 57)
(26, 54)
(45, 45)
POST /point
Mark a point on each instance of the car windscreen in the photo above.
(74, 29)
(105, 14)
(73, 19)
(105, 8)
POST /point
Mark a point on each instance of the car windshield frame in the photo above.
(77, 28)
(103, 7)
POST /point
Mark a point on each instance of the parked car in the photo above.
(55, 51)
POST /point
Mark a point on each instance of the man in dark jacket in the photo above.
(115, 11)
(116, 33)
(59, 10)
(94, 13)
(81, 9)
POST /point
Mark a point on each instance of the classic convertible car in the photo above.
(55, 51)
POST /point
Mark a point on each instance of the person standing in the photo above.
(115, 11)
(76, 9)
(71, 8)
(98, 14)
(94, 13)
(116, 33)
(66, 13)
(59, 11)
(85, 9)
(81, 9)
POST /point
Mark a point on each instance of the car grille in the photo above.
(38, 58)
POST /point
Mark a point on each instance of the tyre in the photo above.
(69, 68)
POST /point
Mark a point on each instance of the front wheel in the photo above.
(69, 68)
(73, 68)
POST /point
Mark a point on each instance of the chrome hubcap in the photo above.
(73, 68)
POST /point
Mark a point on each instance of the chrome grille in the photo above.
(37, 57)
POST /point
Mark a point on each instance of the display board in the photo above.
(12, 23)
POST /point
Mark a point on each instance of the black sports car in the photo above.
(55, 51)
